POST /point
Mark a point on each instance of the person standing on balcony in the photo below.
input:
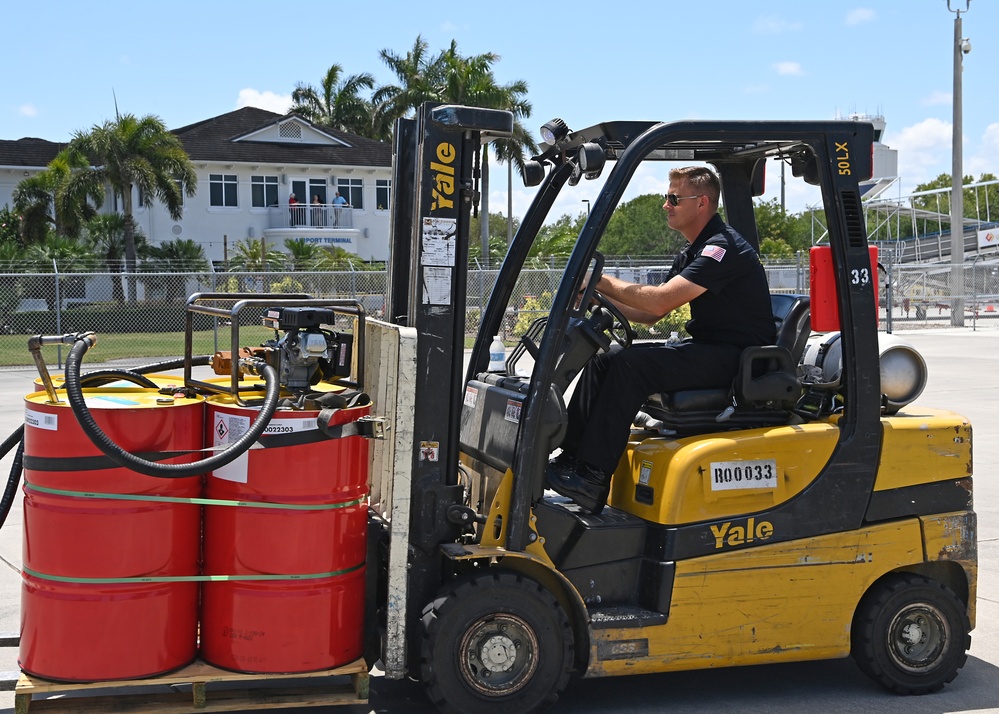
(318, 219)
(293, 209)
(339, 203)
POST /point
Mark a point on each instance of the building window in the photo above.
(350, 189)
(222, 190)
(264, 191)
(317, 188)
(383, 193)
(180, 190)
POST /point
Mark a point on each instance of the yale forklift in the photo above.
(787, 518)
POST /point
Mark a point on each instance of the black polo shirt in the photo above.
(735, 307)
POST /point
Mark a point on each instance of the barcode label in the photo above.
(41, 420)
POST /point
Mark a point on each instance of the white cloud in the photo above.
(788, 68)
(860, 16)
(923, 151)
(983, 159)
(28, 110)
(936, 98)
(775, 26)
(279, 103)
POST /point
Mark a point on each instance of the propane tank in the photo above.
(903, 369)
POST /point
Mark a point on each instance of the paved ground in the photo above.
(963, 376)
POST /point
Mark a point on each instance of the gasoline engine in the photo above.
(306, 354)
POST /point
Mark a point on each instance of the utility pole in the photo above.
(961, 47)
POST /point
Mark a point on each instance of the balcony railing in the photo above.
(311, 215)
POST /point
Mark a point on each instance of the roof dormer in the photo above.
(291, 129)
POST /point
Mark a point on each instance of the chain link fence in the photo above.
(152, 326)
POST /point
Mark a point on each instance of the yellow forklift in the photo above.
(794, 516)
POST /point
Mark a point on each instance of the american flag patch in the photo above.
(714, 251)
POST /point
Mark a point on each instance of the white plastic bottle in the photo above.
(497, 355)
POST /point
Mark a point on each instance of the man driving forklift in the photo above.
(720, 275)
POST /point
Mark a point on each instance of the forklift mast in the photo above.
(435, 172)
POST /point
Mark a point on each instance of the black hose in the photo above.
(175, 363)
(100, 377)
(152, 468)
(10, 490)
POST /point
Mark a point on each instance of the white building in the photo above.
(249, 162)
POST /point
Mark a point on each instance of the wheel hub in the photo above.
(918, 637)
(499, 653)
(912, 633)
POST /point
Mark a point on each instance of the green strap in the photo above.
(188, 578)
(198, 501)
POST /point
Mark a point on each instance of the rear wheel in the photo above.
(911, 634)
(497, 642)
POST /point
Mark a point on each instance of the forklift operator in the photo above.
(720, 274)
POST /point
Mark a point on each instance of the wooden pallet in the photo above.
(259, 692)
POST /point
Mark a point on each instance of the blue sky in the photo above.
(64, 62)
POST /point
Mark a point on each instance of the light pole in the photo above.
(961, 48)
(587, 202)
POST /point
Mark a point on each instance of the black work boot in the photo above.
(587, 486)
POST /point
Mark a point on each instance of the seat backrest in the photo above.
(792, 314)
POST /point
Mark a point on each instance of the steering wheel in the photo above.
(620, 329)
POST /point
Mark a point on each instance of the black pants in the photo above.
(614, 385)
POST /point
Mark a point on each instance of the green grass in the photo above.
(138, 345)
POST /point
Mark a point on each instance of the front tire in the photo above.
(911, 634)
(495, 643)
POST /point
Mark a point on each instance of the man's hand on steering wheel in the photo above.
(619, 329)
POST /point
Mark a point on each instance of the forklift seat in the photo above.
(764, 392)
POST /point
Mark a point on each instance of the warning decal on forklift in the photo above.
(513, 410)
(471, 396)
(436, 286)
(430, 451)
(439, 238)
(733, 475)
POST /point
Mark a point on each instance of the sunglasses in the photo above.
(672, 199)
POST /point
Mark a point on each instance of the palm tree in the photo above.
(55, 251)
(450, 77)
(252, 255)
(416, 72)
(50, 200)
(176, 257)
(105, 235)
(74, 201)
(336, 102)
(470, 80)
(303, 255)
(33, 198)
(135, 153)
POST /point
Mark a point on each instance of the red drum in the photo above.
(75, 625)
(294, 548)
